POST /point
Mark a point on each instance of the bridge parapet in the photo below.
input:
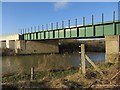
(84, 31)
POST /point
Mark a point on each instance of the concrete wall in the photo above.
(9, 40)
(2, 44)
(10, 37)
(12, 44)
(36, 47)
(112, 48)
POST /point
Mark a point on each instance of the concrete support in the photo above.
(12, 44)
(112, 48)
(2, 44)
(36, 47)
(7, 44)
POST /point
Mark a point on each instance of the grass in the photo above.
(38, 75)
(53, 74)
(64, 78)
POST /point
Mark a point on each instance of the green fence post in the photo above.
(42, 27)
(57, 28)
(76, 22)
(93, 25)
(31, 34)
(28, 30)
(103, 22)
(84, 25)
(46, 28)
(28, 34)
(62, 24)
(69, 26)
(52, 29)
(114, 23)
(114, 16)
(23, 34)
(102, 18)
(63, 29)
(21, 31)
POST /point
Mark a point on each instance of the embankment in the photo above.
(7, 52)
(69, 79)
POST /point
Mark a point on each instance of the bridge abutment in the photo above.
(36, 47)
(112, 44)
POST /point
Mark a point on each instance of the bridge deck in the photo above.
(85, 31)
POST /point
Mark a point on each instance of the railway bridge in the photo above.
(48, 40)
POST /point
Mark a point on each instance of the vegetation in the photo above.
(69, 78)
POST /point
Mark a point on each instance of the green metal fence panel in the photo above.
(109, 29)
(35, 36)
(25, 36)
(42, 35)
(74, 32)
(89, 31)
(82, 32)
(28, 36)
(39, 35)
(61, 33)
(67, 33)
(99, 30)
(32, 36)
(51, 34)
(118, 28)
(56, 34)
(46, 35)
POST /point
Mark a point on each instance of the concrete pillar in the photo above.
(37, 47)
(19, 45)
(7, 44)
(2, 44)
(12, 44)
(112, 48)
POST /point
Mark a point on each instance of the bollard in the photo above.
(32, 73)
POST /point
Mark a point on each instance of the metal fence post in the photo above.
(93, 25)
(38, 28)
(62, 24)
(31, 29)
(21, 31)
(42, 27)
(69, 26)
(114, 24)
(51, 26)
(57, 28)
(114, 16)
(103, 22)
(84, 25)
(76, 22)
